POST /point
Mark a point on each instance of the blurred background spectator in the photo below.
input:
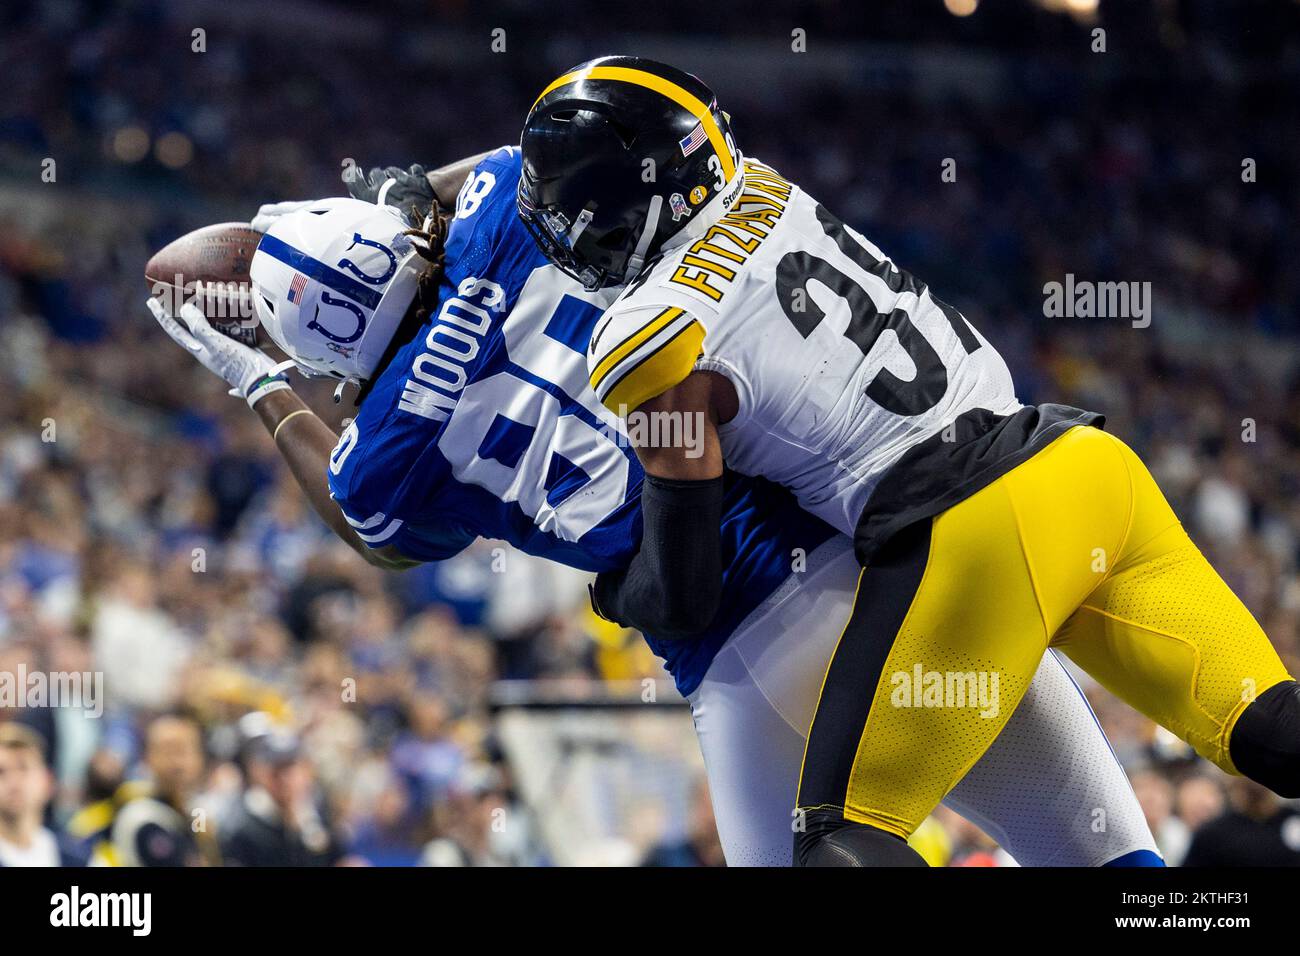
(278, 822)
(1258, 830)
(26, 789)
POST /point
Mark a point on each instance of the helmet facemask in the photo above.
(556, 236)
(619, 155)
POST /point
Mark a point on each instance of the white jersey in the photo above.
(841, 361)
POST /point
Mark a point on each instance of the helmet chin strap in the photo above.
(579, 226)
(637, 259)
(306, 372)
(338, 389)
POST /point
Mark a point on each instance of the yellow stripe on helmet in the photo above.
(663, 87)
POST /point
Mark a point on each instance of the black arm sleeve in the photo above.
(673, 586)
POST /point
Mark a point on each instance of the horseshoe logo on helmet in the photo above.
(351, 266)
(352, 307)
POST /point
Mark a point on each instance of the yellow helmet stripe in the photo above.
(663, 87)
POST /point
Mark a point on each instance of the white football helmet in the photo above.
(332, 282)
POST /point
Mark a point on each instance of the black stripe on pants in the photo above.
(884, 596)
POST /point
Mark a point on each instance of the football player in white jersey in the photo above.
(987, 530)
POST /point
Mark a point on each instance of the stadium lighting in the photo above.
(1079, 9)
(130, 144)
(174, 150)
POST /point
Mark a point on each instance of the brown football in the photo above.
(209, 267)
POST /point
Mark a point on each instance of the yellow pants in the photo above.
(1075, 549)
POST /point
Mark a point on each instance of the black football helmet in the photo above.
(618, 154)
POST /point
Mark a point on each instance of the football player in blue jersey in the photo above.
(476, 419)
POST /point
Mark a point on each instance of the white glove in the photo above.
(251, 372)
(267, 214)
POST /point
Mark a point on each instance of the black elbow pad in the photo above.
(673, 587)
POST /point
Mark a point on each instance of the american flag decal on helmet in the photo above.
(296, 288)
(694, 141)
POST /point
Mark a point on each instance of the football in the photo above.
(210, 267)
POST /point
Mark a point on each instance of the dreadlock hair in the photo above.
(429, 243)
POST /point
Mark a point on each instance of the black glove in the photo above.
(408, 190)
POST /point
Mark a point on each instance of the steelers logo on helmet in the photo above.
(618, 153)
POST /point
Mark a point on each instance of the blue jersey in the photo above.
(485, 425)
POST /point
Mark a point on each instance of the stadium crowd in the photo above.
(272, 699)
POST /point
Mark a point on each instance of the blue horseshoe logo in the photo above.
(355, 309)
(350, 266)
